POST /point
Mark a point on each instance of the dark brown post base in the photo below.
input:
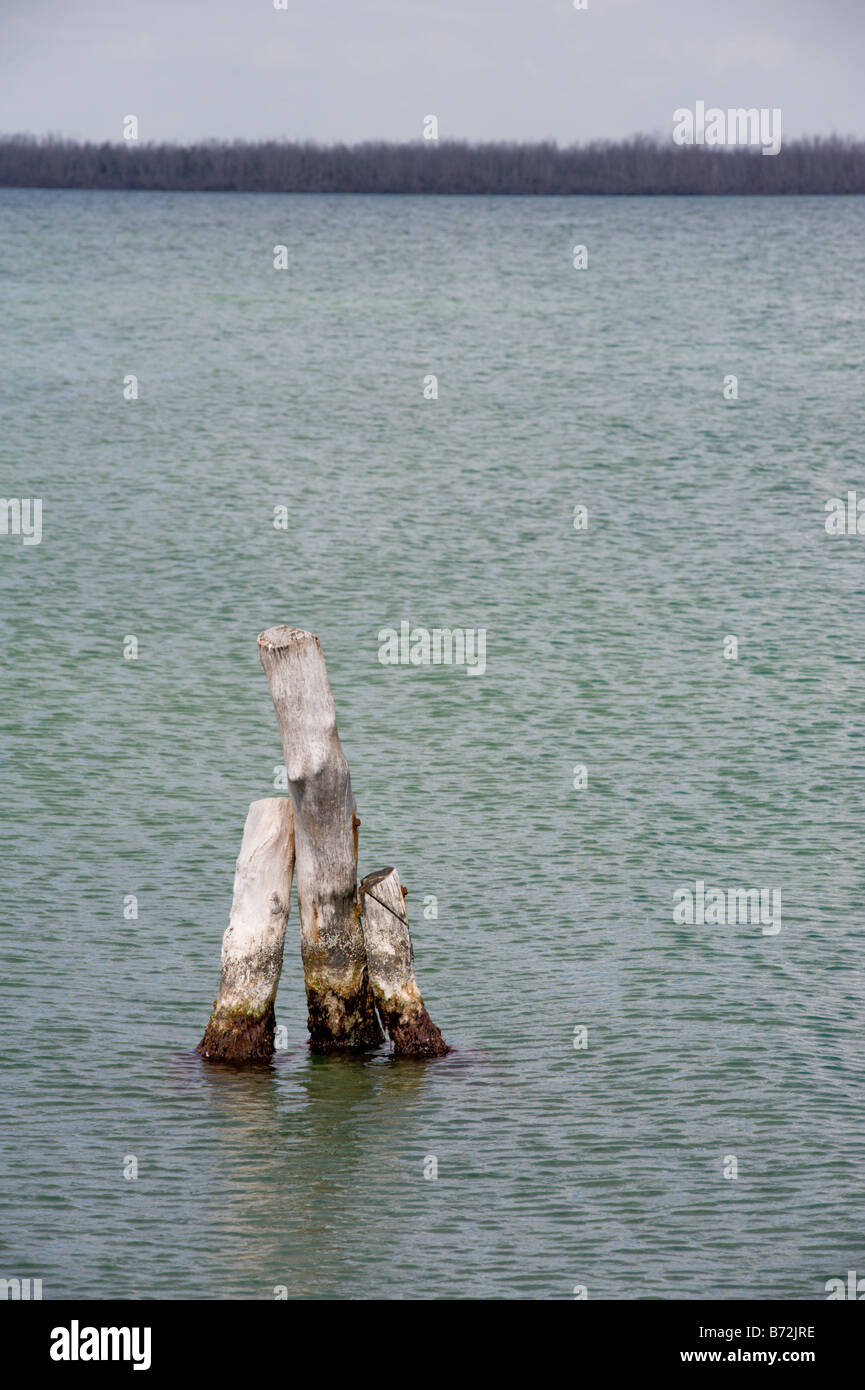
(238, 1037)
(342, 1024)
(413, 1032)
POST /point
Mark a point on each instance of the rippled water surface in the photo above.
(557, 1166)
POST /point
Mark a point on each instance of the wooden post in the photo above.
(341, 1011)
(241, 1026)
(391, 967)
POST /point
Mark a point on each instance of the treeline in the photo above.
(636, 166)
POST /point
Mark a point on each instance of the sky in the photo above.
(352, 70)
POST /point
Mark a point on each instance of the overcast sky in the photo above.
(367, 69)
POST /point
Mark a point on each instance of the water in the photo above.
(260, 388)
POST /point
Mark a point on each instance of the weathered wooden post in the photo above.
(341, 1012)
(390, 960)
(241, 1026)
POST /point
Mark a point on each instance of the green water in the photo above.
(558, 1166)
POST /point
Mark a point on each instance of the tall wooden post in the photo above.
(241, 1026)
(341, 1012)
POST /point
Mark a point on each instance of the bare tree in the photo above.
(640, 165)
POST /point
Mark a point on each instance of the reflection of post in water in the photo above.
(292, 1140)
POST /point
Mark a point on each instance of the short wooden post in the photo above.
(241, 1027)
(391, 967)
(341, 1011)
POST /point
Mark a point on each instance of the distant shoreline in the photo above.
(637, 166)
